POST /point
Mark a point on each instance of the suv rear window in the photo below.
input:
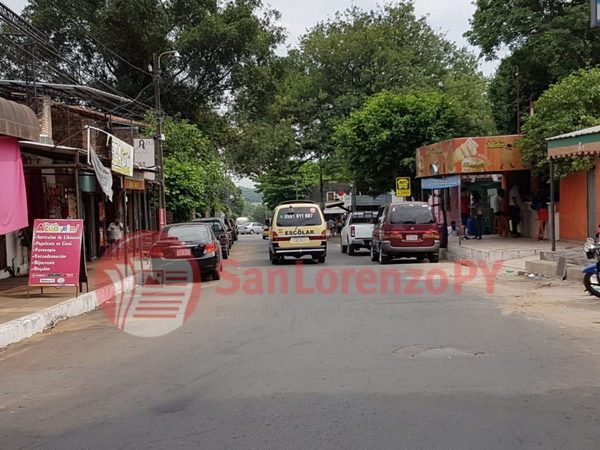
(300, 215)
(216, 224)
(187, 232)
(410, 214)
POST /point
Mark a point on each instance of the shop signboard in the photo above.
(144, 156)
(470, 155)
(122, 157)
(134, 185)
(56, 252)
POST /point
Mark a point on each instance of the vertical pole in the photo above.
(518, 100)
(552, 218)
(460, 211)
(125, 221)
(158, 141)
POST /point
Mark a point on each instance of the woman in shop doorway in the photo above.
(540, 204)
(477, 207)
(465, 211)
(115, 234)
(515, 204)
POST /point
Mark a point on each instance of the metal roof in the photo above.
(584, 132)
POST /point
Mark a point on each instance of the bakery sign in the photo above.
(471, 155)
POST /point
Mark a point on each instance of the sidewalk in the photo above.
(22, 317)
(494, 248)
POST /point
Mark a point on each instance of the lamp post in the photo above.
(162, 214)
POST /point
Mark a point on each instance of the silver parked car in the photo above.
(251, 228)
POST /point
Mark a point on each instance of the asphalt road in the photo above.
(317, 362)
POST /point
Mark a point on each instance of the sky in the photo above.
(449, 17)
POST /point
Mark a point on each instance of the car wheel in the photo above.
(374, 254)
(225, 254)
(434, 258)
(321, 259)
(383, 258)
(344, 248)
(216, 275)
(351, 250)
(251, 231)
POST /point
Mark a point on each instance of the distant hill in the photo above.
(250, 195)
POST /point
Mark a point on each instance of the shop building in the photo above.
(479, 164)
(580, 215)
(59, 180)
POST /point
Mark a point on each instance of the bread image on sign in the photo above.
(467, 155)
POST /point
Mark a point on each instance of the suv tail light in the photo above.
(156, 251)
(211, 247)
(352, 231)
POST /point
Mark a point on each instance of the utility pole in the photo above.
(162, 213)
(518, 100)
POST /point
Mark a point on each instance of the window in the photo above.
(410, 214)
(187, 232)
(301, 215)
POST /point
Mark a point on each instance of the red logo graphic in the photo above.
(143, 292)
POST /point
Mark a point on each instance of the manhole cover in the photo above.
(435, 351)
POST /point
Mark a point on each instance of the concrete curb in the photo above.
(19, 329)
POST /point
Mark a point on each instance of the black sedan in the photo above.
(220, 230)
(184, 247)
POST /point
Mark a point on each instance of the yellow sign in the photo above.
(403, 187)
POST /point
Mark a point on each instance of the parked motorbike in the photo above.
(591, 277)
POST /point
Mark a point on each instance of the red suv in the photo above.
(407, 229)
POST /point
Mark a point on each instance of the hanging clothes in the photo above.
(13, 202)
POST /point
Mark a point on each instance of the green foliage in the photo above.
(221, 45)
(380, 139)
(340, 63)
(569, 105)
(547, 40)
(250, 195)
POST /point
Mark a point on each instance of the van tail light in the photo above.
(275, 235)
(211, 247)
(156, 251)
(431, 235)
(324, 234)
(352, 231)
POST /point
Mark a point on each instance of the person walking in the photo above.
(115, 234)
(514, 208)
(477, 207)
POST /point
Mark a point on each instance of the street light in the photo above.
(162, 215)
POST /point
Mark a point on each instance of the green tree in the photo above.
(221, 44)
(379, 140)
(571, 104)
(546, 40)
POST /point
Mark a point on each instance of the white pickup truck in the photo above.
(357, 231)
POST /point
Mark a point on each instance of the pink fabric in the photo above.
(13, 197)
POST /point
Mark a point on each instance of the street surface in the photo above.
(309, 371)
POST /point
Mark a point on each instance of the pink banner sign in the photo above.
(56, 252)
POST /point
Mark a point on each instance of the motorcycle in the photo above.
(591, 277)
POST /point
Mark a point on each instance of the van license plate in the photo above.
(412, 237)
(183, 252)
(299, 240)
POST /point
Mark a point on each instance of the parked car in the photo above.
(357, 231)
(184, 243)
(252, 228)
(233, 228)
(220, 230)
(406, 229)
(266, 231)
(298, 229)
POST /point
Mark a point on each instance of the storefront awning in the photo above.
(584, 142)
(18, 121)
(440, 183)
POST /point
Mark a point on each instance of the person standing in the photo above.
(465, 211)
(499, 213)
(115, 234)
(541, 206)
(514, 208)
(477, 207)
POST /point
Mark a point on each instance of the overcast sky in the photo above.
(450, 17)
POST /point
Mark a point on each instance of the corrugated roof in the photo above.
(572, 134)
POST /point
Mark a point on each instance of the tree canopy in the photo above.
(569, 105)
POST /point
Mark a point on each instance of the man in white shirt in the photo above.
(115, 234)
(514, 209)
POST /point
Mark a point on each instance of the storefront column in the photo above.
(552, 218)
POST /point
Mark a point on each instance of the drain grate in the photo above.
(435, 351)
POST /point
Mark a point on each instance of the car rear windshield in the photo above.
(411, 214)
(198, 232)
(363, 218)
(216, 225)
(299, 215)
